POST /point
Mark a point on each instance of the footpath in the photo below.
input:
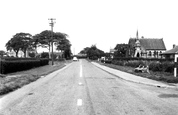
(134, 78)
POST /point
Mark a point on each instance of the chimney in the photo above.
(174, 45)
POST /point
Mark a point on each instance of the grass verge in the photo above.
(13, 81)
(159, 76)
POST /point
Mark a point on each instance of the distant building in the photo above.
(146, 47)
(111, 53)
(171, 53)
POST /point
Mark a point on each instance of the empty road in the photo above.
(83, 89)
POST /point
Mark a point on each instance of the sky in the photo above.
(103, 23)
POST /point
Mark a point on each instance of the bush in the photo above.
(121, 63)
(45, 55)
(32, 54)
(163, 67)
(134, 63)
(108, 61)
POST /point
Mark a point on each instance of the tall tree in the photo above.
(63, 44)
(122, 50)
(85, 50)
(2, 53)
(35, 43)
(93, 52)
(19, 41)
(45, 39)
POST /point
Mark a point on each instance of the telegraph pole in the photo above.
(52, 25)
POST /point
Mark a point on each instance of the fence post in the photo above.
(175, 68)
(0, 65)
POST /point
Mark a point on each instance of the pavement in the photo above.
(135, 78)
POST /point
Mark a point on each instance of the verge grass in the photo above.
(13, 81)
(159, 76)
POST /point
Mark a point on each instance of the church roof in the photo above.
(172, 51)
(149, 43)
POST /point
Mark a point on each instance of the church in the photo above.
(146, 47)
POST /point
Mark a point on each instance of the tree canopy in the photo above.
(24, 41)
(20, 41)
(121, 50)
(93, 52)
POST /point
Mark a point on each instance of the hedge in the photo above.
(164, 66)
(15, 58)
(143, 59)
(7, 66)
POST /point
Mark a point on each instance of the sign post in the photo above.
(175, 68)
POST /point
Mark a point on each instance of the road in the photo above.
(83, 89)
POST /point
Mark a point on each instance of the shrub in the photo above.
(32, 54)
(45, 55)
(134, 63)
(121, 63)
(108, 61)
(162, 67)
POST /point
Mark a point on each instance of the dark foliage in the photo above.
(93, 52)
(7, 66)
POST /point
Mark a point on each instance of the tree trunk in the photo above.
(36, 51)
(24, 53)
(16, 53)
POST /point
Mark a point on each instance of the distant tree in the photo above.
(2, 53)
(63, 44)
(19, 41)
(121, 50)
(93, 52)
(35, 42)
(85, 50)
(45, 39)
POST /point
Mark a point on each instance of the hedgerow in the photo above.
(8, 66)
(154, 65)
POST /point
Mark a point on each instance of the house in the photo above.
(146, 47)
(170, 53)
(111, 53)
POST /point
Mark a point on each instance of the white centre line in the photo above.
(80, 70)
(80, 83)
(79, 102)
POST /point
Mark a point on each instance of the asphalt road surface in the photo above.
(83, 89)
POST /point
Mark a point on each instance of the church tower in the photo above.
(137, 46)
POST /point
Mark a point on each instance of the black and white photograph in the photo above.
(88, 57)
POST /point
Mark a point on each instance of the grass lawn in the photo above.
(159, 76)
(13, 81)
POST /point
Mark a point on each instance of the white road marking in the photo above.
(80, 83)
(79, 102)
(80, 70)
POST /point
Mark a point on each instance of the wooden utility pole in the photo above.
(52, 25)
(176, 64)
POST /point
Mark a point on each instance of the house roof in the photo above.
(172, 51)
(149, 43)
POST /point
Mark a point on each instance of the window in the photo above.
(149, 53)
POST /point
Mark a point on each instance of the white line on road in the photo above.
(80, 83)
(80, 70)
(79, 102)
